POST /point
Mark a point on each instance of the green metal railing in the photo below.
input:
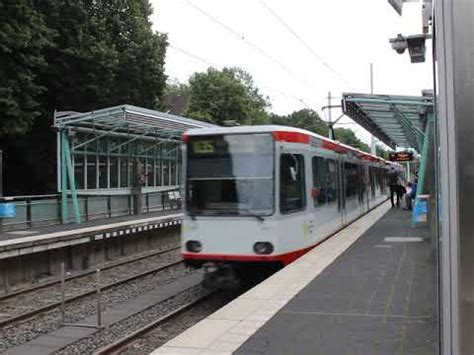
(46, 210)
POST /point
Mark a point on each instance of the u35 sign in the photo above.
(401, 156)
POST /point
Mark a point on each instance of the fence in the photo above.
(45, 210)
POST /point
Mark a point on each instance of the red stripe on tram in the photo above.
(286, 258)
(291, 137)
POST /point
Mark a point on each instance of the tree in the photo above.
(381, 152)
(23, 39)
(69, 55)
(82, 63)
(141, 52)
(310, 120)
(105, 54)
(226, 95)
(176, 98)
(306, 119)
(347, 136)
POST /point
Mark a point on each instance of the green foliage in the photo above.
(81, 63)
(347, 136)
(76, 55)
(69, 55)
(140, 52)
(23, 40)
(176, 98)
(105, 53)
(226, 95)
(381, 152)
(306, 119)
(310, 120)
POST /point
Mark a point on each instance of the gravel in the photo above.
(17, 334)
(43, 297)
(128, 325)
(160, 335)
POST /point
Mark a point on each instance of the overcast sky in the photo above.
(342, 37)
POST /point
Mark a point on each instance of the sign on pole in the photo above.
(400, 156)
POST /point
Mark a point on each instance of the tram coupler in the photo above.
(221, 277)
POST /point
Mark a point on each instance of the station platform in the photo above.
(35, 240)
(369, 289)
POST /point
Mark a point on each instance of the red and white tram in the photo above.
(262, 196)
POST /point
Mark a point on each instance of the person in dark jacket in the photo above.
(392, 180)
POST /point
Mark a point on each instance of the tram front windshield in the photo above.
(230, 175)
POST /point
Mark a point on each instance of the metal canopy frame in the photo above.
(398, 121)
(111, 138)
(130, 120)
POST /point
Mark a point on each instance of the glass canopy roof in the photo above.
(398, 121)
(128, 119)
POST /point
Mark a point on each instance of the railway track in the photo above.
(79, 275)
(125, 341)
(55, 304)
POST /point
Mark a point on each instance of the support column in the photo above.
(424, 156)
(137, 193)
(420, 189)
(69, 170)
(64, 200)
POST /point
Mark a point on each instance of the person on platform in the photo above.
(392, 180)
(410, 196)
(401, 190)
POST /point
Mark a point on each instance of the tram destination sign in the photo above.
(401, 156)
(215, 145)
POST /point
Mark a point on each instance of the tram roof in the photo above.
(328, 143)
(128, 120)
(398, 121)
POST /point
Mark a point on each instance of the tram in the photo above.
(259, 197)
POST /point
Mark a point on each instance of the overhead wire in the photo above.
(194, 56)
(304, 43)
(241, 37)
(212, 64)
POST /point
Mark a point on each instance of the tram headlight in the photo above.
(263, 248)
(193, 246)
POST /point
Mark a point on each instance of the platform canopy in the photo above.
(128, 120)
(117, 150)
(398, 121)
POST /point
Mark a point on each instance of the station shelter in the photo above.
(118, 151)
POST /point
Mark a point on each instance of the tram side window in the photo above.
(331, 178)
(372, 175)
(351, 174)
(292, 196)
(319, 192)
(383, 176)
(362, 181)
(381, 179)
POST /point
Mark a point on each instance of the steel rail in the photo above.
(126, 340)
(106, 266)
(38, 311)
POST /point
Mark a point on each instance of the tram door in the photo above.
(363, 188)
(341, 190)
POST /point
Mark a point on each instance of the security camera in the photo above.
(399, 43)
(415, 44)
(416, 48)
